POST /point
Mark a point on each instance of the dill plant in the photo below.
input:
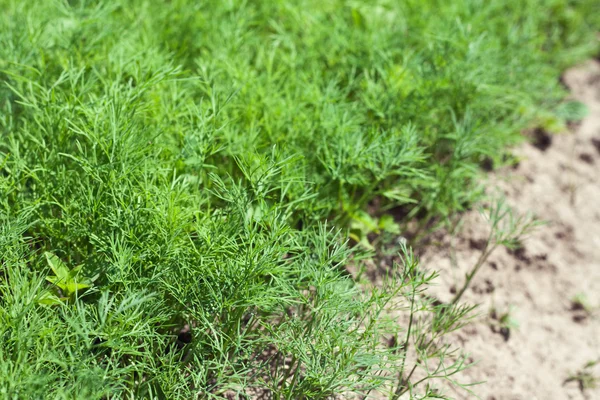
(193, 168)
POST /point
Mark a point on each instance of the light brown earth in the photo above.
(554, 337)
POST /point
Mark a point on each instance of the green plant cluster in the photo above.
(177, 178)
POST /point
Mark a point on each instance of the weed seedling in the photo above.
(503, 322)
(580, 302)
(66, 283)
(585, 378)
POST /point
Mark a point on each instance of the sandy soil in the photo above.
(552, 336)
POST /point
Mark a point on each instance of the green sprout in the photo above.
(585, 378)
(67, 283)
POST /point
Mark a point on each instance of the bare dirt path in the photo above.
(552, 336)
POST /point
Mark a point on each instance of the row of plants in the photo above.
(183, 186)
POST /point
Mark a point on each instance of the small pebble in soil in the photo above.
(487, 164)
(478, 244)
(184, 336)
(541, 139)
(579, 317)
(596, 144)
(586, 158)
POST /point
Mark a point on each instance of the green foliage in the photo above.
(585, 377)
(506, 228)
(67, 282)
(167, 171)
